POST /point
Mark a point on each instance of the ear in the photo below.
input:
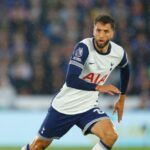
(112, 34)
(94, 30)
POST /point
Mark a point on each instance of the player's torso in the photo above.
(99, 66)
(96, 70)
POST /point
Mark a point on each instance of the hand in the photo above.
(109, 89)
(119, 107)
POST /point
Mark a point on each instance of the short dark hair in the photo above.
(105, 19)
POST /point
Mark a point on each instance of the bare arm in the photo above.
(119, 106)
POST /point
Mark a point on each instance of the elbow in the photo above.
(72, 82)
(69, 81)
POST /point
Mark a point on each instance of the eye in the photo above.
(106, 31)
(98, 30)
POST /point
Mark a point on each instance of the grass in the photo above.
(127, 148)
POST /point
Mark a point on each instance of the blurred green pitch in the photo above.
(71, 148)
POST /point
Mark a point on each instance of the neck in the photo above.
(102, 50)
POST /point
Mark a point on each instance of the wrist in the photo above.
(122, 97)
(97, 87)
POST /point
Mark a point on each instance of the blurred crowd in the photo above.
(38, 36)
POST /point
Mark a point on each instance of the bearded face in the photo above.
(103, 33)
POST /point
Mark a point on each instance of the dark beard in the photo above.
(102, 46)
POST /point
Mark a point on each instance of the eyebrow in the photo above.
(102, 29)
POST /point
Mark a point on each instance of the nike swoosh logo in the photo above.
(91, 63)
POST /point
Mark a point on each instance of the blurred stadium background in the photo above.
(36, 40)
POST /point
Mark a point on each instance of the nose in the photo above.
(101, 34)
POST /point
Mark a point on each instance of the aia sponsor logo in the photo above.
(95, 78)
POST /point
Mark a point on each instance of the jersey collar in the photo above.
(108, 51)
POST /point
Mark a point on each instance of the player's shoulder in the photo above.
(86, 41)
(116, 46)
(84, 44)
(117, 50)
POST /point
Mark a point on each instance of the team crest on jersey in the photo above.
(79, 52)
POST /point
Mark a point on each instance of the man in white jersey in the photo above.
(91, 63)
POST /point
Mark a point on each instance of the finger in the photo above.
(114, 111)
(119, 115)
(115, 88)
(116, 91)
(110, 92)
(119, 120)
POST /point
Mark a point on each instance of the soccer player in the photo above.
(91, 63)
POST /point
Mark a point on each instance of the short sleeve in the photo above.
(124, 60)
(79, 55)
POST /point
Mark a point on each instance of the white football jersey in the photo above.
(96, 69)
